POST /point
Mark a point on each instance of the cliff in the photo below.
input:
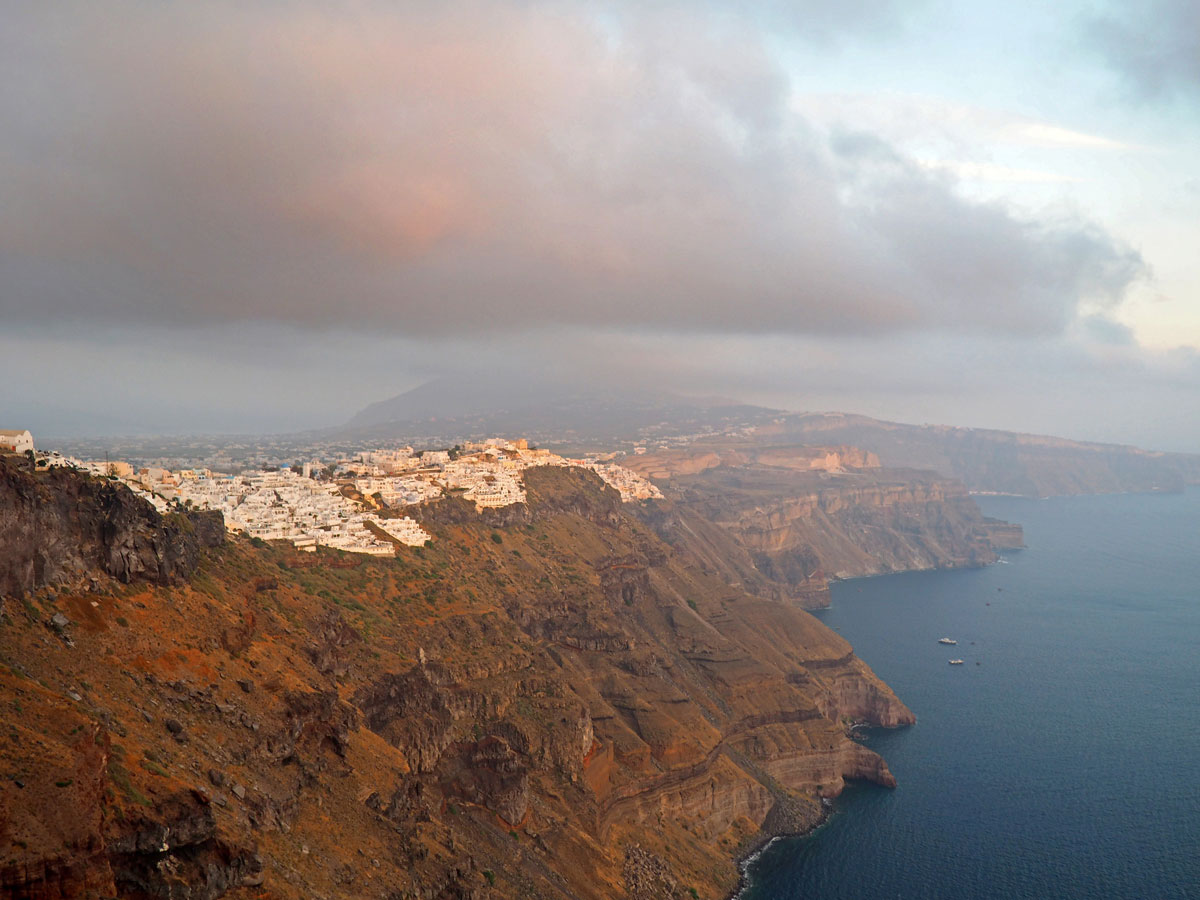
(1003, 535)
(993, 461)
(673, 463)
(801, 526)
(59, 528)
(548, 701)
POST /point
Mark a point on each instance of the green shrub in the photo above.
(150, 763)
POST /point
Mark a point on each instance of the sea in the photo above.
(1062, 759)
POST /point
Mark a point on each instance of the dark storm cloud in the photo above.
(1154, 45)
(478, 168)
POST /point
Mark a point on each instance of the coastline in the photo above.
(846, 579)
(1112, 577)
(1154, 491)
(767, 836)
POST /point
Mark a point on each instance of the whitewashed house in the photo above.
(15, 441)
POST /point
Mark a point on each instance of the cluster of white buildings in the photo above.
(488, 473)
(397, 490)
(491, 473)
(629, 483)
(344, 511)
(277, 505)
(285, 505)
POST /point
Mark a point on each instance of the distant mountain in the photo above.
(476, 405)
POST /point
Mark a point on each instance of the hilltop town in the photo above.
(355, 503)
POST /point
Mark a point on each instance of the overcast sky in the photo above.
(263, 216)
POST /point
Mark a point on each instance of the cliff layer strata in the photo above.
(801, 527)
(520, 709)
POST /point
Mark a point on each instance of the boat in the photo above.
(947, 641)
(956, 662)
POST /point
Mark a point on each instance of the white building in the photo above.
(405, 530)
(15, 441)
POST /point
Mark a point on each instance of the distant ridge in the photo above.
(993, 461)
(484, 402)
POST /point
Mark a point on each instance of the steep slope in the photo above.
(893, 521)
(549, 701)
(58, 528)
(800, 524)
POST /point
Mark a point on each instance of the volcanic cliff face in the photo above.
(704, 456)
(801, 527)
(851, 527)
(548, 701)
(59, 528)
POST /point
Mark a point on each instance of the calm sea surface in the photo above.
(1066, 764)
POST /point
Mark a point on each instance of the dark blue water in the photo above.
(1067, 763)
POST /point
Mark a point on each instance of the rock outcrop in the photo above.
(59, 528)
(1004, 535)
(68, 835)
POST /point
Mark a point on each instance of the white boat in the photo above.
(956, 662)
(947, 641)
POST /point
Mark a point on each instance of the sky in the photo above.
(262, 216)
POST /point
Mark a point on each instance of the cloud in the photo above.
(1041, 134)
(991, 172)
(440, 169)
(1154, 46)
(1104, 330)
(973, 263)
(921, 118)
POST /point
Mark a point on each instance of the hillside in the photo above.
(550, 701)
